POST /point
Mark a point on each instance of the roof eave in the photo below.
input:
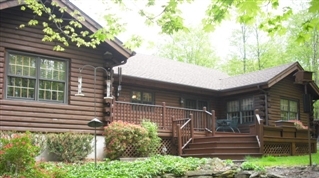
(88, 23)
(94, 26)
(295, 66)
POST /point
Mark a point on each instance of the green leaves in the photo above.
(70, 147)
(314, 6)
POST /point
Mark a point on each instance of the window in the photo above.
(241, 109)
(34, 77)
(142, 97)
(196, 104)
(288, 109)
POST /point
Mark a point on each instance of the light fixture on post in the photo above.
(95, 122)
(181, 100)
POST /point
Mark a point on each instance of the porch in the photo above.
(198, 133)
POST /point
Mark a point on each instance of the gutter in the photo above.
(266, 103)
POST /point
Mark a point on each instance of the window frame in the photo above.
(197, 102)
(288, 109)
(37, 77)
(142, 101)
(239, 111)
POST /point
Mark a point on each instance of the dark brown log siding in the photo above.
(285, 89)
(171, 98)
(221, 111)
(48, 117)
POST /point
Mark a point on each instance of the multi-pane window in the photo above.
(142, 97)
(196, 104)
(288, 109)
(241, 109)
(35, 77)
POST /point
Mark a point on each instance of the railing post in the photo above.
(261, 134)
(115, 111)
(256, 121)
(192, 127)
(213, 122)
(179, 139)
(204, 118)
(259, 124)
(174, 127)
(163, 114)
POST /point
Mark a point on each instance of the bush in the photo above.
(69, 147)
(17, 153)
(119, 135)
(155, 141)
(252, 166)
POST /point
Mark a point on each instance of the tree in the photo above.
(189, 46)
(169, 19)
(307, 53)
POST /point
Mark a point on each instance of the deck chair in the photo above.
(234, 124)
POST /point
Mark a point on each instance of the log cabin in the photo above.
(199, 111)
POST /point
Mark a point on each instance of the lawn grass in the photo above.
(269, 161)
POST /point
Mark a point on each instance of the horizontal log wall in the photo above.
(41, 116)
(285, 89)
(221, 111)
(171, 98)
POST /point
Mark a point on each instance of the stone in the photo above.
(315, 168)
(274, 175)
(200, 173)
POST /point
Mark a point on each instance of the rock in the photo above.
(200, 173)
(274, 175)
(315, 168)
(254, 174)
(243, 174)
(217, 164)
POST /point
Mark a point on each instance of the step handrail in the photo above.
(259, 131)
(211, 129)
(185, 134)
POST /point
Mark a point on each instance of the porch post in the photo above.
(179, 139)
(213, 122)
(163, 114)
(192, 127)
(204, 118)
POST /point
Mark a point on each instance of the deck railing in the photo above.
(184, 131)
(259, 130)
(162, 115)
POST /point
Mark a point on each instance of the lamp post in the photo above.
(95, 122)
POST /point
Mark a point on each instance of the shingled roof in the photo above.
(254, 78)
(166, 70)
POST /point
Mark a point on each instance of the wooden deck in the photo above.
(189, 132)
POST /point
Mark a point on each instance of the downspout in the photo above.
(266, 104)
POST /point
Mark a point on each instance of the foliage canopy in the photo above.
(66, 30)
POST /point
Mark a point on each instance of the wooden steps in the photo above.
(235, 147)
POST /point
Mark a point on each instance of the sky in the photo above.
(192, 14)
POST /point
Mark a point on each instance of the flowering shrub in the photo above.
(119, 135)
(298, 124)
(17, 153)
(69, 147)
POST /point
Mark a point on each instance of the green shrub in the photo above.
(155, 140)
(69, 147)
(17, 153)
(251, 166)
(119, 135)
